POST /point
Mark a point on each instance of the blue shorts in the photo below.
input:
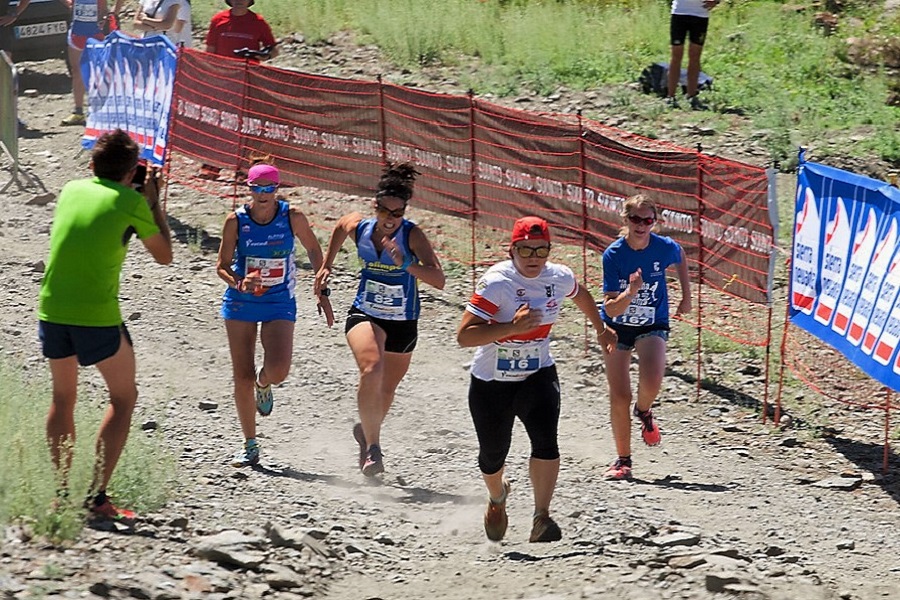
(90, 344)
(259, 312)
(629, 335)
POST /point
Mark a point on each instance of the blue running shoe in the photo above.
(265, 399)
(246, 456)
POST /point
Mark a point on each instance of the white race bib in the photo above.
(85, 12)
(383, 298)
(637, 316)
(515, 362)
(272, 270)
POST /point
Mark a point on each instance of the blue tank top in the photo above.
(85, 14)
(268, 249)
(385, 290)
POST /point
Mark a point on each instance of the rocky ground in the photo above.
(726, 507)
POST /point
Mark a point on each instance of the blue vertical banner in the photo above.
(129, 85)
(845, 267)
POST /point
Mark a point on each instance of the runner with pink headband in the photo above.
(262, 172)
(256, 260)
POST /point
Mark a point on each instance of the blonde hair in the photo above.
(633, 204)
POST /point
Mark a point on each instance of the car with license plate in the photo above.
(40, 32)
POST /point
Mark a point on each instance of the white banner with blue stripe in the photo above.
(129, 85)
(845, 267)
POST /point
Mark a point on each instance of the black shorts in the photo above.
(494, 405)
(682, 26)
(401, 335)
(90, 344)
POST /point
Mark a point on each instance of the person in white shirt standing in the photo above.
(689, 22)
(171, 18)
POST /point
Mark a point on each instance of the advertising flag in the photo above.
(845, 267)
(129, 87)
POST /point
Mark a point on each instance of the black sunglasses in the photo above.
(397, 213)
(639, 220)
(528, 251)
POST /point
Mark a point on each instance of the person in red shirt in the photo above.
(239, 27)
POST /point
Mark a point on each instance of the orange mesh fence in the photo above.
(483, 165)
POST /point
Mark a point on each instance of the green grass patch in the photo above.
(28, 484)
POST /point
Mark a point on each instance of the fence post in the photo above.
(700, 259)
(772, 203)
(887, 430)
(582, 185)
(472, 176)
(382, 126)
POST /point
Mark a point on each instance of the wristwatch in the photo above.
(325, 292)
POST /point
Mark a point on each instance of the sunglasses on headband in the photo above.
(528, 251)
(641, 220)
(263, 189)
(396, 213)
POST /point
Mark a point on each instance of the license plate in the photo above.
(41, 29)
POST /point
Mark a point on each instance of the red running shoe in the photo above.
(620, 469)
(109, 512)
(649, 429)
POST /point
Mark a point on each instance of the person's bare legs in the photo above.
(395, 367)
(651, 351)
(544, 474)
(693, 69)
(277, 339)
(61, 416)
(77, 81)
(494, 483)
(618, 378)
(675, 69)
(366, 341)
(119, 373)
(242, 343)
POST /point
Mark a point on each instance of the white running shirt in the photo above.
(499, 294)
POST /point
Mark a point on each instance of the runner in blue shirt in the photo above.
(256, 260)
(382, 324)
(636, 305)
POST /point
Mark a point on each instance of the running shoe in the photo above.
(247, 456)
(495, 520)
(74, 119)
(374, 462)
(360, 438)
(544, 529)
(108, 512)
(620, 469)
(265, 399)
(649, 429)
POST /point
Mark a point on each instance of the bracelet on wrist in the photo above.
(407, 262)
(325, 291)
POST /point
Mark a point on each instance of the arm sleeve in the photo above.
(485, 302)
(610, 274)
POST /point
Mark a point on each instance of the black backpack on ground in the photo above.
(654, 80)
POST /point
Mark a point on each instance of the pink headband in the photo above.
(262, 171)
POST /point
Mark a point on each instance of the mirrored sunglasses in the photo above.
(641, 220)
(263, 189)
(397, 213)
(528, 251)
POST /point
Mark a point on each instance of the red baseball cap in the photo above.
(530, 228)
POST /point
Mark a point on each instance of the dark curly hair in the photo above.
(397, 181)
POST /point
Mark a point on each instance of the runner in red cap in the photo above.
(508, 319)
